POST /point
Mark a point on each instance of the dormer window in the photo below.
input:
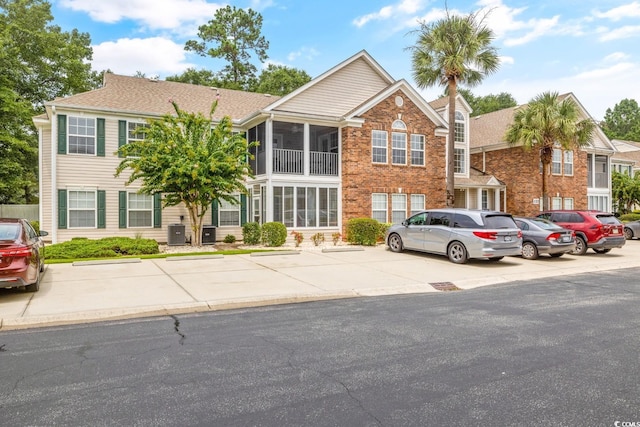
(459, 127)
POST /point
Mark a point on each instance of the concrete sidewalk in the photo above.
(86, 292)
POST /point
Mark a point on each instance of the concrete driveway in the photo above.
(93, 291)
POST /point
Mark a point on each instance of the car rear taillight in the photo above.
(520, 234)
(16, 252)
(553, 236)
(488, 235)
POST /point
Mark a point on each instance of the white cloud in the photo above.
(621, 12)
(397, 11)
(620, 33)
(507, 60)
(153, 14)
(155, 55)
(616, 57)
(307, 53)
(539, 28)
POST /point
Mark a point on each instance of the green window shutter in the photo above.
(243, 209)
(62, 134)
(122, 134)
(214, 213)
(157, 210)
(100, 139)
(102, 209)
(122, 209)
(62, 208)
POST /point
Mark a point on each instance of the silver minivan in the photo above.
(460, 234)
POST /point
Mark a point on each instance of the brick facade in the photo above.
(519, 169)
(361, 177)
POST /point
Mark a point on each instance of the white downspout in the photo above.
(54, 191)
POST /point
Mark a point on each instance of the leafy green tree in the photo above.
(489, 103)
(190, 160)
(625, 191)
(196, 77)
(547, 122)
(38, 62)
(623, 122)
(233, 34)
(281, 80)
(452, 50)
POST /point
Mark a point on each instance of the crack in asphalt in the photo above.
(176, 327)
(358, 402)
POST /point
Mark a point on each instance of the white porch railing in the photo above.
(323, 163)
(292, 162)
(288, 161)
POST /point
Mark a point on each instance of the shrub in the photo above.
(109, 247)
(251, 233)
(317, 238)
(363, 231)
(229, 238)
(274, 234)
(629, 217)
(297, 237)
(335, 237)
(384, 226)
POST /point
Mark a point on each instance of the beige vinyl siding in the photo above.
(340, 92)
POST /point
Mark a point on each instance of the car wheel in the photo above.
(529, 251)
(556, 255)
(457, 253)
(395, 243)
(628, 233)
(602, 251)
(581, 246)
(35, 286)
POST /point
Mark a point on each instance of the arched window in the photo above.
(399, 124)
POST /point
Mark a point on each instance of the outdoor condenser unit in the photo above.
(176, 235)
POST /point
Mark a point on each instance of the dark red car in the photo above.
(600, 231)
(21, 254)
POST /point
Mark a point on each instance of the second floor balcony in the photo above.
(288, 161)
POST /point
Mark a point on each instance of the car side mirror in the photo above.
(43, 233)
(405, 223)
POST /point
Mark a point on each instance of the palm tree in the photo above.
(452, 50)
(548, 122)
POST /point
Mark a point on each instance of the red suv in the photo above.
(600, 231)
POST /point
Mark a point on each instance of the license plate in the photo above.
(565, 239)
(615, 231)
(507, 238)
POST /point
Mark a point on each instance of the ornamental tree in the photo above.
(190, 160)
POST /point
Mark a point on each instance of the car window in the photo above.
(9, 231)
(464, 221)
(499, 221)
(440, 218)
(522, 225)
(418, 219)
(608, 219)
(545, 216)
(544, 224)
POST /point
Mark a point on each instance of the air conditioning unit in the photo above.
(208, 235)
(176, 235)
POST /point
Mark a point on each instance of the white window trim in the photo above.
(399, 205)
(398, 149)
(95, 135)
(422, 150)
(386, 146)
(555, 161)
(386, 206)
(565, 155)
(129, 193)
(228, 207)
(414, 208)
(95, 208)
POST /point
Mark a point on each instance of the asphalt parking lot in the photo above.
(85, 292)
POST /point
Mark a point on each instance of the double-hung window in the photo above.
(459, 157)
(417, 203)
(399, 148)
(568, 163)
(82, 135)
(82, 209)
(417, 150)
(398, 208)
(139, 210)
(379, 207)
(379, 146)
(556, 162)
(229, 213)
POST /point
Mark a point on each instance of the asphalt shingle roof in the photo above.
(138, 95)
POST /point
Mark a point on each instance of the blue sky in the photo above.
(588, 47)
